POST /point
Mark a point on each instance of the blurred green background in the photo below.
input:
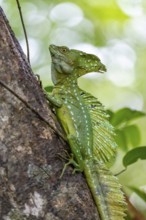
(114, 30)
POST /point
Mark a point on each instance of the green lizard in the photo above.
(87, 129)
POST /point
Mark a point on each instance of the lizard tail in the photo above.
(106, 191)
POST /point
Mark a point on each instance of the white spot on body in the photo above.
(71, 113)
(71, 103)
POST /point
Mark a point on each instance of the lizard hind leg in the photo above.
(71, 161)
(76, 158)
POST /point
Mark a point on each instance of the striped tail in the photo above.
(106, 191)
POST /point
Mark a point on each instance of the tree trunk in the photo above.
(30, 166)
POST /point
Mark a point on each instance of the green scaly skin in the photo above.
(87, 129)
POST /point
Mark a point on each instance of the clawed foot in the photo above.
(71, 162)
(66, 155)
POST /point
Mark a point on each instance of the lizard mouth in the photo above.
(54, 53)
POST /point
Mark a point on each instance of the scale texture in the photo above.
(88, 131)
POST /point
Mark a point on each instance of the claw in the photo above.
(71, 162)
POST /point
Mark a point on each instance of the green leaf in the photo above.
(132, 134)
(125, 115)
(121, 140)
(49, 88)
(128, 135)
(133, 155)
(139, 192)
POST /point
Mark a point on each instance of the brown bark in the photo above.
(30, 187)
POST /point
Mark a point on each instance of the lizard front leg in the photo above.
(54, 100)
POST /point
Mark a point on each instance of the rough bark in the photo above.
(30, 187)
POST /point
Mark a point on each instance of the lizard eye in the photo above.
(64, 49)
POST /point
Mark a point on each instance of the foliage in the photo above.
(48, 88)
(139, 192)
(128, 136)
(133, 155)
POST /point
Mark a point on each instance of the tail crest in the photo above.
(106, 191)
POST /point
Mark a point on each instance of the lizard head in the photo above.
(74, 62)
